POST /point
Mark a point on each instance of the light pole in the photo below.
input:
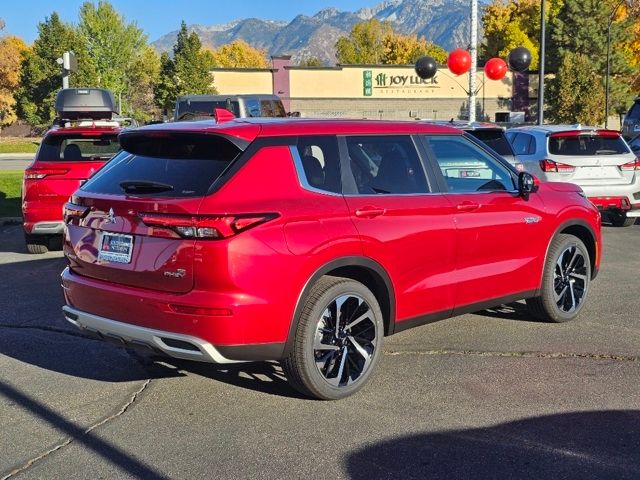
(606, 78)
(473, 50)
(543, 22)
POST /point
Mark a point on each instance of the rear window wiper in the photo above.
(144, 186)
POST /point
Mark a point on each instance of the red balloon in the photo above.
(495, 68)
(459, 61)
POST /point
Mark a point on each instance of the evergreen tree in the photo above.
(581, 27)
(186, 73)
(41, 76)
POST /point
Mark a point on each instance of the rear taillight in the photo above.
(635, 165)
(72, 211)
(203, 226)
(547, 165)
(38, 173)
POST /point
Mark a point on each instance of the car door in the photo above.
(404, 224)
(499, 246)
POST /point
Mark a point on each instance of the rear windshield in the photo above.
(587, 145)
(197, 110)
(634, 112)
(78, 148)
(494, 139)
(170, 166)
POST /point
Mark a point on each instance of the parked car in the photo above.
(597, 160)
(82, 140)
(634, 144)
(491, 134)
(631, 122)
(308, 241)
(199, 107)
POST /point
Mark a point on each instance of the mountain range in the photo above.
(443, 22)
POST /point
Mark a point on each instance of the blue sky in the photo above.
(158, 17)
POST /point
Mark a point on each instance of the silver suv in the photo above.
(599, 161)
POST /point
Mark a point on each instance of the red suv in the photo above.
(69, 153)
(308, 241)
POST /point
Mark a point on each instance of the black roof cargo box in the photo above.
(85, 103)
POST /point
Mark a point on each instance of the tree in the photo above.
(364, 45)
(576, 93)
(113, 48)
(406, 49)
(11, 51)
(40, 76)
(186, 73)
(311, 62)
(581, 27)
(375, 42)
(239, 54)
(143, 74)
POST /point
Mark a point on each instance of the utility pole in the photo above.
(473, 50)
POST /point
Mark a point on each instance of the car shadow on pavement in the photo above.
(571, 446)
(265, 377)
(511, 311)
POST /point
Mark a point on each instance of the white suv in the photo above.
(599, 161)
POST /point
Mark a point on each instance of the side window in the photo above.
(523, 144)
(386, 165)
(267, 108)
(466, 168)
(253, 107)
(318, 162)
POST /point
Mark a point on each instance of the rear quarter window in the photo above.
(188, 164)
(77, 148)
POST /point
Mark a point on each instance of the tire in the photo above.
(36, 243)
(328, 363)
(620, 219)
(565, 281)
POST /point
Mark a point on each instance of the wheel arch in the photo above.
(361, 269)
(583, 231)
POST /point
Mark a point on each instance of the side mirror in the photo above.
(527, 184)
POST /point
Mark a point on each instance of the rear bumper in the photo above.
(617, 203)
(247, 328)
(42, 218)
(172, 344)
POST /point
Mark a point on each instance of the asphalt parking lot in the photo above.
(487, 395)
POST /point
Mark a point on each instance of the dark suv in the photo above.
(308, 241)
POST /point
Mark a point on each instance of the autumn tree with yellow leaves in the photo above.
(11, 50)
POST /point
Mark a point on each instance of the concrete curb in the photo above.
(17, 156)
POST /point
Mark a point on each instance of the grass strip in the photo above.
(10, 186)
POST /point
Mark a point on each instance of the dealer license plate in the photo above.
(115, 247)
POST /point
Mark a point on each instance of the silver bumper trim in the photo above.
(134, 334)
(48, 228)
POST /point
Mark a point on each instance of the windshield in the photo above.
(198, 109)
(587, 145)
(495, 139)
(78, 148)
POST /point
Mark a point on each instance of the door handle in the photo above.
(369, 212)
(467, 206)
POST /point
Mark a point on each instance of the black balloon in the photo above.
(426, 67)
(519, 59)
